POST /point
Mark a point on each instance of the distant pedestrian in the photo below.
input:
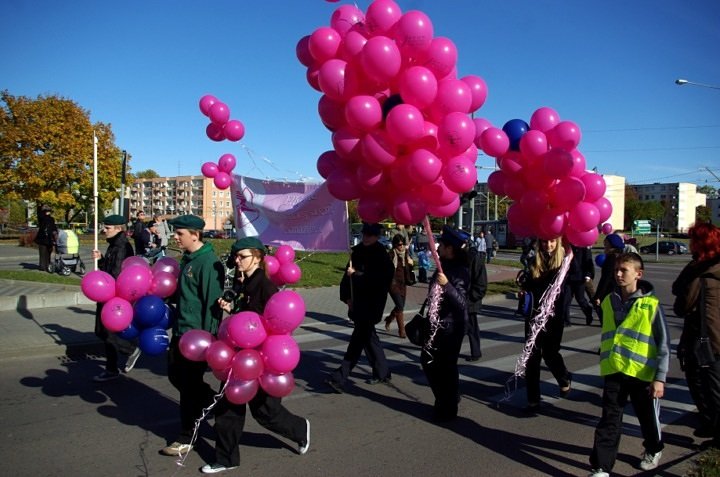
(581, 271)
(402, 264)
(481, 245)
(138, 226)
(423, 257)
(613, 246)
(476, 293)
(46, 237)
(490, 245)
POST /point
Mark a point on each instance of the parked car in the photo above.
(669, 247)
(216, 234)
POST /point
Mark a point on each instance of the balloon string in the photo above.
(436, 291)
(431, 243)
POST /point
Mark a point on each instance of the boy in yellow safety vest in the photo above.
(634, 360)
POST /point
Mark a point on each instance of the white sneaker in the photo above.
(305, 445)
(214, 468)
(176, 449)
(598, 473)
(132, 359)
(650, 461)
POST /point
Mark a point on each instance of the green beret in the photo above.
(246, 243)
(187, 222)
(115, 219)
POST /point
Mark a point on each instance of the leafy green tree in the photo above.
(46, 153)
(703, 214)
(147, 174)
(710, 191)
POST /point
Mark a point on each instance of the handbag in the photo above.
(418, 329)
(409, 275)
(704, 353)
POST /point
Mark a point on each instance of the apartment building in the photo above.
(680, 200)
(182, 195)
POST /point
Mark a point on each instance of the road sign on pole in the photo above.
(641, 227)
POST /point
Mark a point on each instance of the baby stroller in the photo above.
(67, 256)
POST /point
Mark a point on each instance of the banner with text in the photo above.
(302, 215)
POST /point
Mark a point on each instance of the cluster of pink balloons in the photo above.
(220, 172)
(221, 126)
(252, 351)
(133, 304)
(281, 268)
(544, 174)
(403, 140)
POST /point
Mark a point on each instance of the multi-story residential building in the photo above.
(181, 195)
(714, 206)
(680, 200)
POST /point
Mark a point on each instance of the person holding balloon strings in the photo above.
(119, 248)
(199, 286)
(253, 290)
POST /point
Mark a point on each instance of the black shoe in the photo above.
(588, 318)
(568, 324)
(472, 358)
(374, 381)
(705, 431)
(335, 386)
(532, 407)
(564, 391)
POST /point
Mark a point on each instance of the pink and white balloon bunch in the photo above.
(544, 174)
(133, 304)
(281, 267)
(399, 115)
(220, 173)
(221, 126)
(252, 351)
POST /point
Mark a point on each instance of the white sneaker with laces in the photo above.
(305, 445)
(132, 359)
(598, 473)
(650, 461)
(176, 449)
(214, 468)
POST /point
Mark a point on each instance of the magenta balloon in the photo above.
(381, 16)
(405, 124)
(607, 228)
(441, 57)
(284, 312)
(345, 17)
(290, 272)
(163, 284)
(566, 135)
(579, 164)
(246, 329)
(533, 144)
(583, 216)
(302, 51)
(312, 76)
(544, 119)
(272, 265)
(377, 149)
(327, 162)
(222, 180)
(285, 254)
(481, 124)
(238, 391)
(227, 163)
(363, 113)
(456, 133)
(215, 132)
(558, 163)
(445, 210)
(380, 59)
(133, 282)
(219, 113)
(429, 140)
(234, 130)
(604, 208)
(408, 208)
(418, 86)
(534, 201)
(515, 186)
(519, 221)
(323, 44)
(368, 176)
(223, 333)
(219, 355)
(277, 385)
(496, 182)
(414, 33)
(332, 113)
(594, 186)
(247, 364)
(209, 169)
(134, 261)
(281, 354)
(453, 96)
(222, 374)
(494, 142)
(459, 174)
(352, 45)
(116, 314)
(166, 264)
(566, 193)
(437, 193)
(551, 224)
(194, 344)
(510, 163)
(98, 286)
(332, 79)
(585, 238)
(206, 102)
(372, 209)
(424, 167)
(478, 90)
(346, 143)
(342, 184)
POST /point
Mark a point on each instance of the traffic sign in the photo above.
(641, 227)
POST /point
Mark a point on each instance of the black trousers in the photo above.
(363, 338)
(441, 370)
(44, 260)
(473, 332)
(547, 347)
(618, 388)
(704, 386)
(267, 410)
(195, 393)
(114, 345)
(578, 291)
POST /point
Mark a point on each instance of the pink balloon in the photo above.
(163, 284)
(215, 132)
(223, 333)
(285, 254)
(219, 355)
(209, 169)
(363, 113)
(332, 113)
(579, 164)
(585, 238)
(414, 33)
(166, 264)
(551, 224)
(312, 75)
(481, 124)
(424, 167)
(533, 144)
(323, 44)
(234, 130)
(280, 353)
(380, 59)
(453, 95)
(343, 185)
(98, 286)
(277, 385)
(459, 174)
(222, 180)
(441, 58)
(206, 102)
(290, 272)
(544, 119)
(272, 265)
(607, 228)
(372, 209)
(302, 51)
(510, 163)
(352, 45)
(520, 222)
(193, 344)
(594, 186)
(405, 124)
(445, 210)
(381, 16)
(418, 86)
(566, 135)
(133, 283)
(534, 202)
(346, 143)
(368, 176)
(437, 193)
(246, 329)
(478, 90)
(116, 314)
(494, 142)
(222, 374)
(456, 133)
(284, 312)
(238, 391)
(408, 208)
(496, 182)
(429, 140)
(327, 162)
(566, 193)
(345, 17)
(219, 113)
(134, 261)
(332, 79)
(227, 163)
(558, 163)
(583, 216)
(604, 208)
(247, 364)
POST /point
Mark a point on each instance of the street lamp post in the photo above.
(682, 82)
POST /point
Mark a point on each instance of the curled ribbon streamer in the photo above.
(436, 291)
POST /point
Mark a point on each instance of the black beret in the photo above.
(114, 219)
(187, 222)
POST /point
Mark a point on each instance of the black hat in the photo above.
(371, 229)
(187, 222)
(454, 237)
(114, 219)
(246, 243)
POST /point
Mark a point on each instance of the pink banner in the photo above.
(299, 214)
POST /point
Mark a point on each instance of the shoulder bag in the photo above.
(418, 329)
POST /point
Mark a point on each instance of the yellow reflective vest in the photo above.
(630, 347)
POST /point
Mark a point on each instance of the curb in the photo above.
(90, 347)
(43, 300)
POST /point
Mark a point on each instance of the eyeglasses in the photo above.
(242, 257)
